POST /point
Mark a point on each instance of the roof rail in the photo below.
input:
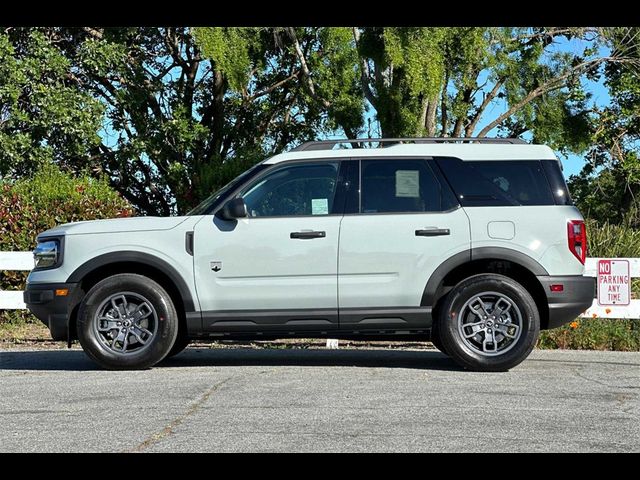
(330, 144)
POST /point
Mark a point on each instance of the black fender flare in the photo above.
(136, 257)
(430, 293)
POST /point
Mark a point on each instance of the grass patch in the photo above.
(19, 327)
(594, 334)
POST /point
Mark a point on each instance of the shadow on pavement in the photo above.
(63, 360)
(428, 360)
(75, 360)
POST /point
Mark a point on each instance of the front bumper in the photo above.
(52, 310)
(577, 295)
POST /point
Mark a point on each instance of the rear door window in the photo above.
(498, 183)
(402, 185)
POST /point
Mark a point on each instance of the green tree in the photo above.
(44, 117)
(180, 111)
(608, 187)
(179, 124)
(443, 81)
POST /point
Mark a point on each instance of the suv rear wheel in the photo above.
(127, 321)
(488, 323)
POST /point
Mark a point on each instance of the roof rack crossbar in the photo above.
(330, 144)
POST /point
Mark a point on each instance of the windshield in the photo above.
(211, 202)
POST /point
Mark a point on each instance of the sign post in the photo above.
(613, 282)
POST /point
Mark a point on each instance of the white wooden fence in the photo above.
(12, 300)
(22, 261)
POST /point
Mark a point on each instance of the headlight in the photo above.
(48, 253)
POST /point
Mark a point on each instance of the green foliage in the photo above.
(228, 48)
(607, 188)
(333, 62)
(177, 107)
(49, 198)
(610, 240)
(594, 334)
(43, 116)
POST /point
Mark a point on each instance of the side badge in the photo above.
(216, 266)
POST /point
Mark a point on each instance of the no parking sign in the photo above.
(613, 282)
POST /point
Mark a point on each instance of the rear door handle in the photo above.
(432, 232)
(307, 235)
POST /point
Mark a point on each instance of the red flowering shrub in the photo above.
(49, 198)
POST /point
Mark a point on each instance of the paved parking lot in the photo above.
(244, 399)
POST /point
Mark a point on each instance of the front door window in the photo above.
(293, 190)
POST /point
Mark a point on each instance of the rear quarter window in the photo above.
(557, 182)
(498, 183)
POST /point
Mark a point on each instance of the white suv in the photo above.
(474, 243)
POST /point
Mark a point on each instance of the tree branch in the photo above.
(465, 98)
(550, 85)
(485, 103)
(444, 113)
(430, 120)
(365, 73)
(305, 68)
(271, 88)
(94, 33)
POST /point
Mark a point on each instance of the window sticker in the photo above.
(407, 183)
(319, 206)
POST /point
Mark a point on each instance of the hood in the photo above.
(116, 225)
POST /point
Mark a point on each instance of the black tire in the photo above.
(435, 338)
(462, 351)
(182, 342)
(163, 317)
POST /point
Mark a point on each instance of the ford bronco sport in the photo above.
(472, 243)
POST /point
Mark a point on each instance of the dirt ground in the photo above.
(32, 336)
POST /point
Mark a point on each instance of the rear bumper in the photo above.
(52, 310)
(577, 295)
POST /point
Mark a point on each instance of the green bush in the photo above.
(49, 198)
(608, 240)
(594, 334)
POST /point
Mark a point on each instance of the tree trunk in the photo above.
(422, 119)
(431, 116)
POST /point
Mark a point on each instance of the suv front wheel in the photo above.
(127, 321)
(488, 323)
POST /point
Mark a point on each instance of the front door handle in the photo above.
(307, 235)
(432, 232)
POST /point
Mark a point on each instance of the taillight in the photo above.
(577, 235)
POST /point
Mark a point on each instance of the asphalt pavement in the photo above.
(268, 400)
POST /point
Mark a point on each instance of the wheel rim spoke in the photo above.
(125, 323)
(144, 330)
(501, 307)
(478, 306)
(490, 323)
(138, 336)
(106, 324)
(490, 339)
(139, 314)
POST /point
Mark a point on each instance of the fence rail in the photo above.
(20, 261)
(23, 261)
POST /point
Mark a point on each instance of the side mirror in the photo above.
(234, 208)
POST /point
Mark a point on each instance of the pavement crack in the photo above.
(578, 372)
(168, 429)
